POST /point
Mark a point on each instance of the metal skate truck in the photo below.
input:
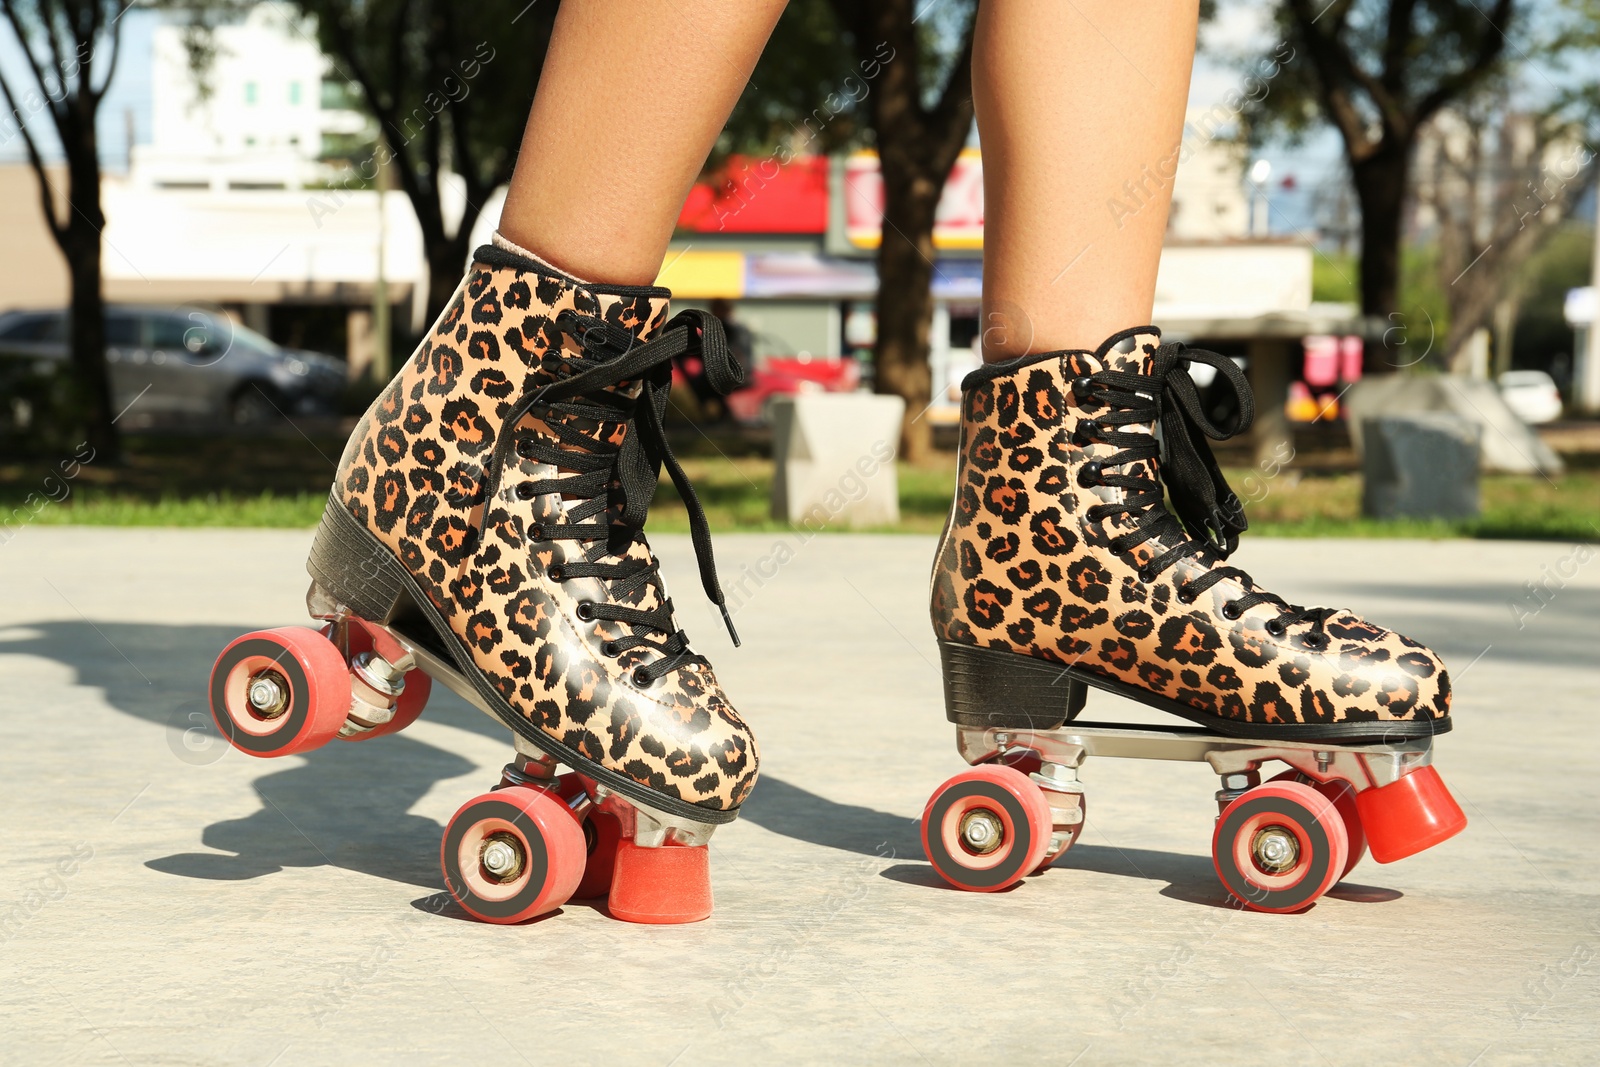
(1062, 567)
(485, 530)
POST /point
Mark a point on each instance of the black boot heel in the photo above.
(986, 688)
(354, 567)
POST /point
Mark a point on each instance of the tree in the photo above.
(1378, 71)
(450, 86)
(840, 72)
(919, 128)
(1502, 183)
(71, 49)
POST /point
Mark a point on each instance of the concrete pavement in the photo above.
(165, 900)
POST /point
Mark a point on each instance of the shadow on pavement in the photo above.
(798, 813)
(1189, 877)
(345, 806)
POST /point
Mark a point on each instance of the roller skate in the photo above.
(1062, 568)
(485, 531)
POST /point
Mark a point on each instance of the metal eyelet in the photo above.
(1316, 642)
(525, 447)
(1184, 596)
(1080, 386)
(642, 678)
(525, 491)
(556, 573)
(536, 532)
(1276, 628)
(585, 611)
(1230, 610)
(1147, 575)
(1089, 474)
(609, 648)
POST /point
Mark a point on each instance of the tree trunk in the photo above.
(905, 299)
(1380, 182)
(447, 260)
(80, 243)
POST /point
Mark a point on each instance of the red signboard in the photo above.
(756, 195)
(957, 223)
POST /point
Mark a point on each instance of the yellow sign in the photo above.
(703, 275)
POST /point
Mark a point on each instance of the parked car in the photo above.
(182, 363)
(1532, 395)
(790, 376)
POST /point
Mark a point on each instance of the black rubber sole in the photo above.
(993, 689)
(985, 689)
(362, 573)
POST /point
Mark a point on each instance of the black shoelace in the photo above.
(606, 487)
(1209, 517)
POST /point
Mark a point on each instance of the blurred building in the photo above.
(239, 201)
(266, 114)
(793, 248)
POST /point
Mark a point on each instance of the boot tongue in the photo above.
(637, 317)
(627, 316)
(1130, 351)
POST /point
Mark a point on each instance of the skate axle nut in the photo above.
(269, 696)
(1274, 850)
(501, 857)
(981, 832)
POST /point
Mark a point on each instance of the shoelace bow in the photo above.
(1209, 517)
(599, 468)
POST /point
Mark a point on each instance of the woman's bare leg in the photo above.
(1074, 99)
(632, 97)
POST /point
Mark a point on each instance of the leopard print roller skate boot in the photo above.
(1062, 569)
(485, 529)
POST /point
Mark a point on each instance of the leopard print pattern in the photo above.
(1021, 569)
(412, 472)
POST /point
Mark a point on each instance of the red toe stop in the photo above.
(1409, 815)
(666, 884)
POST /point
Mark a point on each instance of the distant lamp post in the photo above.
(1260, 171)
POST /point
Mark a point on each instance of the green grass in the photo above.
(1564, 508)
(109, 509)
(282, 482)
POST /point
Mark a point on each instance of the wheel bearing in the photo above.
(981, 831)
(1274, 850)
(268, 694)
(501, 857)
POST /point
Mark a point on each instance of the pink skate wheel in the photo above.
(1279, 846)
(408, 709)
(367, 637)
(1072, 835)
(665, 884)
(512, 854)
(1409, 815)
(601, 832)
(987, 828)
(1343, 795)
(1028, 762)
(279, 692)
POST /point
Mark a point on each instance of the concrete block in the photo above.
(833, 455)
(1506, 443)
(1422, 466)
